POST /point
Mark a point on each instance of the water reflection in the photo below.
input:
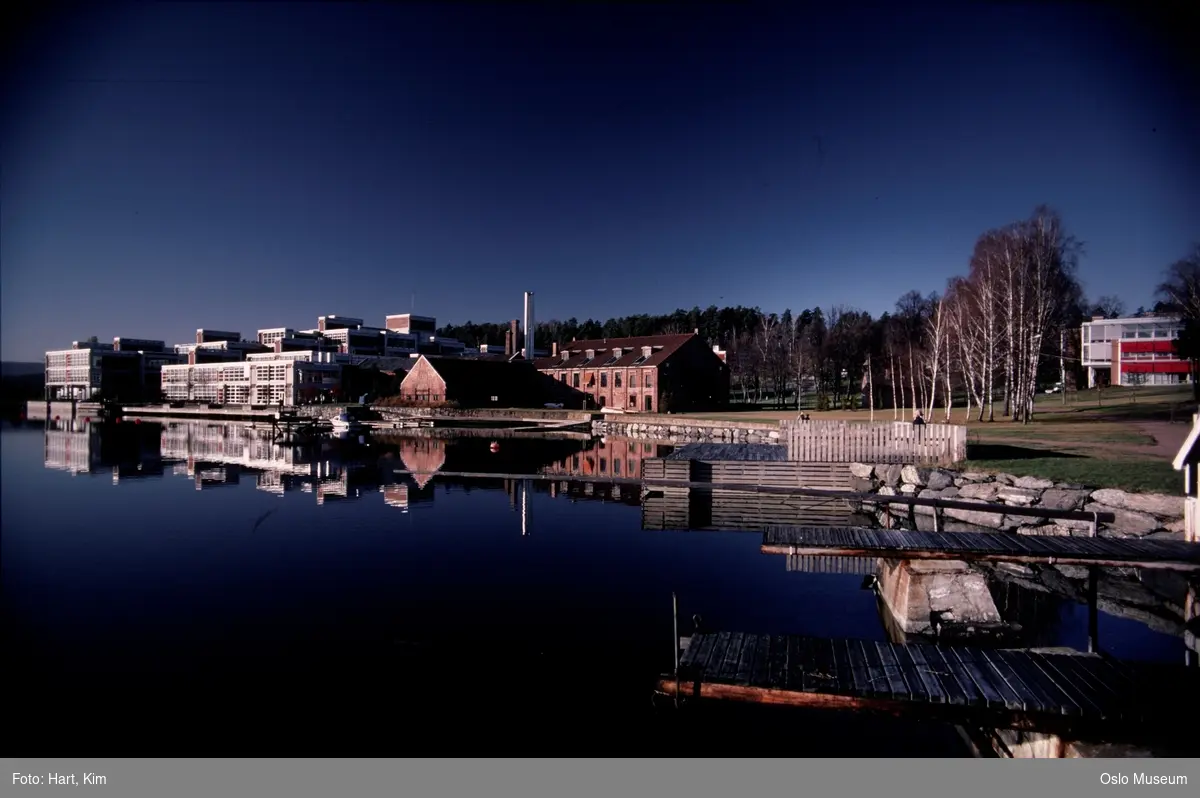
(1145, 613)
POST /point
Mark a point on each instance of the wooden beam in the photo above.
(988, 717)
(966, 555)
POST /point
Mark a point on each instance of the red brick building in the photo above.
(618, 457)
(649, 374)
(483, 382)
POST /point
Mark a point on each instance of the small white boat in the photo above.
(344, 423)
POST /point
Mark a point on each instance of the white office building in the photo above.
(261, 379)
(1133, 351)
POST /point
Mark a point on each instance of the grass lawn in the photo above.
(1142, 475)
(1099, 439)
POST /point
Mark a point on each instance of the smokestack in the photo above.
(512, 334)
(554, 349)
(527, 350)
(508, 343)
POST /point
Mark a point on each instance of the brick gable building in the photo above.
(483, 382)
(647, 374)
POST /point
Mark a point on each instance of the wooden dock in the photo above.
(781, 475)
(982, 546)
(1003, 688)
(732, 511)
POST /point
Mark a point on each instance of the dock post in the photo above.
(1095, 528)
(937, 519)
(1093, 612)
(675, 640)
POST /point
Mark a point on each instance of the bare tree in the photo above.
(935, 335)
(1109, 306)
(1180, 291)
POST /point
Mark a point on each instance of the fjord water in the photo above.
(155, 605)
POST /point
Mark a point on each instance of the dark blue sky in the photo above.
(168, 167)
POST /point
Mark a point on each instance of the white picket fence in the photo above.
(818, 441)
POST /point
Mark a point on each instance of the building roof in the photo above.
(474, 378)
(461, 370)
(386, 363)
(631, 352)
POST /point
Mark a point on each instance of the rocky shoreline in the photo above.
(1152, 516)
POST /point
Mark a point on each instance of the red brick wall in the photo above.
(423, 384)
(618, 457)
(604, 386)
(426, 455)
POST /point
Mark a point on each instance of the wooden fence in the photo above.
(887, 442)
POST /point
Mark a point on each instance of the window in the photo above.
(633, 379)
(603, 465)
(563, 376)
(640, 360)
(633, 402)
(616, 379)
(649, 403)
(616, 465)
(575, 462)
(646, 380)
(575, 379)
(604, 379)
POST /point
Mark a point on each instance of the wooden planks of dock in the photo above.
(982, 546)
(1011, 688)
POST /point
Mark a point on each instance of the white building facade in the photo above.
(1133, 351)
(262, 379)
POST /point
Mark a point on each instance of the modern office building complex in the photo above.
(282, 364)
(1133, 351)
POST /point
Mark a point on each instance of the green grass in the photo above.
(1150, 476)
(1098, 433)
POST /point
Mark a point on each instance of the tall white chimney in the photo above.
(527, 349)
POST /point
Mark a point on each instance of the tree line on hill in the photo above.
(1009, 324)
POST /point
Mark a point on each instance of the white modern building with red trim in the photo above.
(1133, 351)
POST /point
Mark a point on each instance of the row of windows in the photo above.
(602, 463)
(1149, 356)
(1110, 332)
(647, 379)
(1128, 378)
(81, 358)
(83, 374)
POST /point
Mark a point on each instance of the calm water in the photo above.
(162, 596)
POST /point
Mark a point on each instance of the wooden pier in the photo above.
(982, 546)
(732, 511)
(1006, 688)
(761, 465)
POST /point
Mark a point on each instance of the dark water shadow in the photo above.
(1001, 451)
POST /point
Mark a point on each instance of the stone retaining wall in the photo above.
(479, 414)
(1141, 515)
(689, 430)
(319, 411)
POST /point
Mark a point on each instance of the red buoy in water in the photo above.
(137, 421)
(56, 418)
(495, 447)
(87, 419)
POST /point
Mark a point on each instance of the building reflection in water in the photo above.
(223, 454)
(124, 451)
